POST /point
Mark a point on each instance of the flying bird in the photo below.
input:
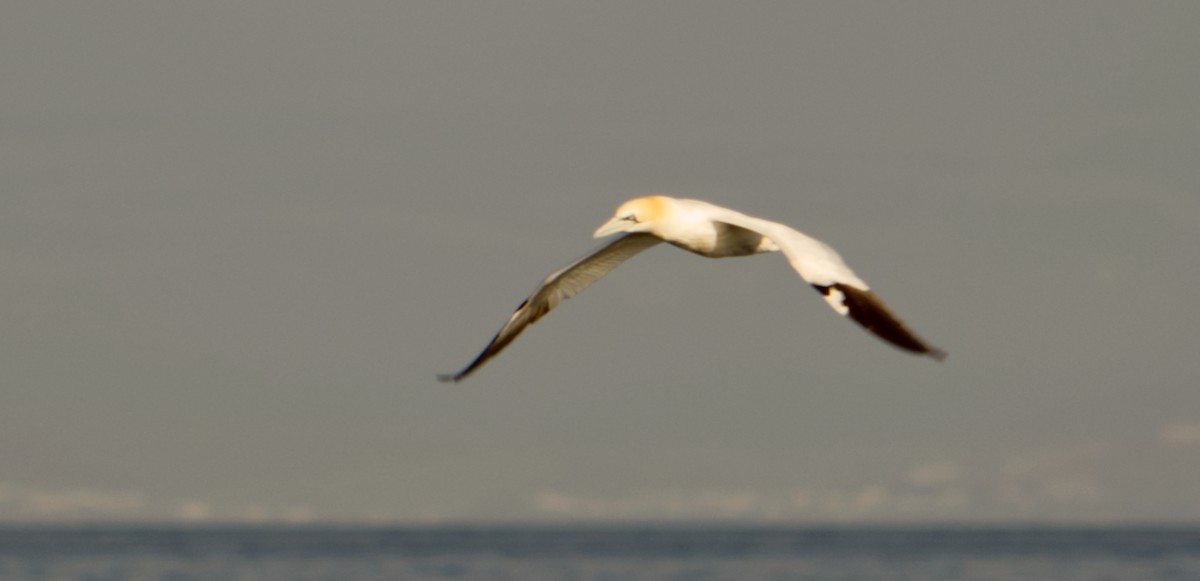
(714, 232)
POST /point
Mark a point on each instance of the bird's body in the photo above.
(714, 232)
(717, 239)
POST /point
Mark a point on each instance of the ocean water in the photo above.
(260, 554)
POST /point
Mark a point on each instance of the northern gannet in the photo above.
(715, 232)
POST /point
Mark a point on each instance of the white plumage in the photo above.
(715, 232)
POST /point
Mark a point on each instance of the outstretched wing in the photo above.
(559, 286)
(822, 267)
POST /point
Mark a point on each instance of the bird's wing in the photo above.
(823, 268)
(559, 286)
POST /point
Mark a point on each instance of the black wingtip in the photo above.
(867, 310)
(449, 378)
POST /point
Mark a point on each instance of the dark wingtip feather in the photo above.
(867, 310)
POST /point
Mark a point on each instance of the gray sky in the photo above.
(239, 239)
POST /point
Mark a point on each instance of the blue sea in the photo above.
(615, 553)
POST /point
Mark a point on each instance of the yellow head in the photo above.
(636, 215)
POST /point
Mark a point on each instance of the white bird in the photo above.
(715, 232)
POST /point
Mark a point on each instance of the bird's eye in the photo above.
(630, 218)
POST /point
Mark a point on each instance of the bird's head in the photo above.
(636, 215)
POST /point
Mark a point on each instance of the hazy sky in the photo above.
(239, 239)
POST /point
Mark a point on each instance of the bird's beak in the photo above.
(610, 227)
